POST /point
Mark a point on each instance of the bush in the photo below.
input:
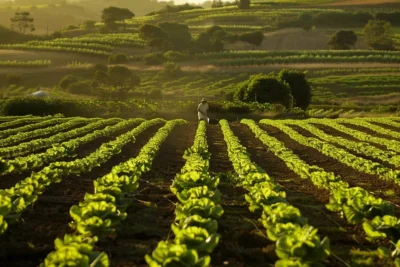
(13, 78)
(66, 81)
(154, 59)
(263, 89)
(117, 59)
(80, 88)
(175, 56)
(299, 86)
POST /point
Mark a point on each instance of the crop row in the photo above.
(59, 48)
(373, 127)
(349, 159)
(358, 147)
(356, 204)
(17, 199)
(390, 144)
(304, 59)
(297, 243)
(195, 227)
(67, 149)
(54, 126)
(101, 212)
(25, 64)
(36, 144)
(16, 120)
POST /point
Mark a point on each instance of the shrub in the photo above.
(117, 59)
(170, 70)
(80, 88)
(154, 59)
(66, 81)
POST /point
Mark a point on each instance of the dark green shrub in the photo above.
(66, 81)
(117, 59)
(154, 59)
(80, 88)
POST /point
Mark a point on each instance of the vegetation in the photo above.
(378, 35)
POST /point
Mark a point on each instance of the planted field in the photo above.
(114, 192)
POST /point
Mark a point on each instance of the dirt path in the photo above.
(28, 242)
(372, 183)
(242, 243)
(150, 217)
(306, 197)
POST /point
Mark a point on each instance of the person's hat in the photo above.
(203, 100)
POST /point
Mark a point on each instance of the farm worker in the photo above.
(202, 110)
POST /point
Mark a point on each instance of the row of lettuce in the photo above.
(196, 223)
(357, 205)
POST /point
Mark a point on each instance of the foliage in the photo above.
(263, 89)
(254, 38)
(378, 35)
(112, 14)
(154, 58)
(66, 81)
(299, 86)
(23, 21)
(117, 81)
(117, 59)
(80, 88)
(170, 70)
(175, 56)
(342, 40)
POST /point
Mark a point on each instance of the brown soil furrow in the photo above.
(312, 156)
(243, 241)
(9, 180)
(27, 243)
(306, 197)
(152, 213)
(386, 126)
(309, 134)
(370, 132)
(334, 132)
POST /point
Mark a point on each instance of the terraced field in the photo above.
(113, 192)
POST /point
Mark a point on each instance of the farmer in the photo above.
(202, 110)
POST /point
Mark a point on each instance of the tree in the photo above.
(255, 38)
(378, 35)
(305, 20)
(342, 40)
(263, 89)
(22, 21)
(299, 86)
(244, 4)
(179, 36)
(217, 3)
(113, 14)
(118, 80)
(153, 35)
(89, 24)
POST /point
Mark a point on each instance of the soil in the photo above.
(243, 239)
(9, 180)
(383, 189)
(309, 134)
(28, 242)
(334, 132)
(386, 126)
(152, 213)
(309, 199)
(369, 131)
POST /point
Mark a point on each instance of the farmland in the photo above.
(134, 192)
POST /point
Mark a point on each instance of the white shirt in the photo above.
(203, 108)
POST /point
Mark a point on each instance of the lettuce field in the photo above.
(112, 192)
